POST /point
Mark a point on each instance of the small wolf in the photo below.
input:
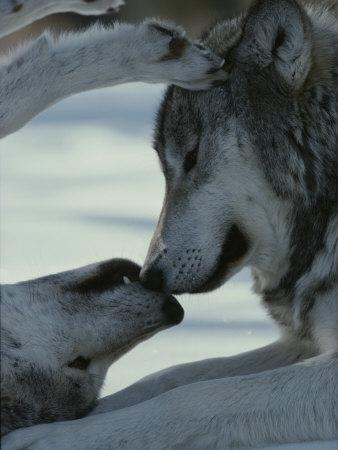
(252, 180)
(60, 334)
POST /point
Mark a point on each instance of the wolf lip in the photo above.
(234, 248)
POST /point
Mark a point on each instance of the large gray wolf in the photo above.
(251, 173)
(46, 70)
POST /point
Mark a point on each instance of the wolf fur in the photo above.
(60, 334)
(252, 180)
(43, 71)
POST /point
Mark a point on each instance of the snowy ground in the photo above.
(81, 183)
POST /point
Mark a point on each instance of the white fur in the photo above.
(44, 71)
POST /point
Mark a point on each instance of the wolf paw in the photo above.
(174, 59)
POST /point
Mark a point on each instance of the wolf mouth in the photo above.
(234, 248)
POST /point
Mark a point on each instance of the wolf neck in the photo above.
(295, 286)
(310, 273)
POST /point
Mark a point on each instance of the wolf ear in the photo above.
(278, 33)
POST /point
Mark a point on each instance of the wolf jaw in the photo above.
(265, 163)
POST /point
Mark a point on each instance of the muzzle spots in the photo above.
(186, 267)
(194, 269)
(168, 269)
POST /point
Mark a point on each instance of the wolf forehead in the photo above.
(290, 126)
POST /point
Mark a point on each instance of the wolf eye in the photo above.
(79, 363)
(190, 160)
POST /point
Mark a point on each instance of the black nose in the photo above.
(153, 279)
(173, 311)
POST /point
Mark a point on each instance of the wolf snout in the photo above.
(173, 272)
(173, 310)
(153, 278)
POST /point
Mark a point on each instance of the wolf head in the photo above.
(59, 335)
(250, 166)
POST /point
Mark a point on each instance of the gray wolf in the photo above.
(45, 70)
(251, 171)
(60, 334)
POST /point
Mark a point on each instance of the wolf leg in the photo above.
(290, 404)
(46, 71)
(278, 354)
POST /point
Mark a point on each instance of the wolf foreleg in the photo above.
(46, 71)
(290, 404)
(279, 354)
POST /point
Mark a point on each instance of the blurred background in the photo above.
(81, 183)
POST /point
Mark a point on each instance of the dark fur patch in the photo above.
(17, 8)
(33, 396)
(307, 240)
(280, 39)
(108, 275)
(159, 136)
(235, 246)
(9, 340)
(309, 299)
(163, 30)
(177, 47)
(305, 153)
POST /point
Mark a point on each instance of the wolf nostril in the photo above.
(153, 279)
(173, 310)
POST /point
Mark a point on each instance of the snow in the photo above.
(81, 183)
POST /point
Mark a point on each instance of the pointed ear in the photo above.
(278, 33)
